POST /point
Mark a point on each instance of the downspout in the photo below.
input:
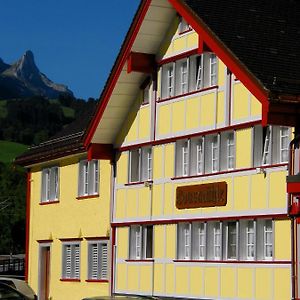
(28, 196)
(112, 229)
(292, 145)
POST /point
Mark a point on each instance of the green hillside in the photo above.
(9, 150)
(3, 110)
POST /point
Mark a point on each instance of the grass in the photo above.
(9, 150)
(68, 112)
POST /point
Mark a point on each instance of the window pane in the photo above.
(232, 239)
(149, 239)
(134, 165)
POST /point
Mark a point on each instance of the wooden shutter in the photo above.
(76, 261)
(67, 261)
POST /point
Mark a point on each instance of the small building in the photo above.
(189, 148)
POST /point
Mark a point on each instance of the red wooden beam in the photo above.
(100, 151)
(141, 62)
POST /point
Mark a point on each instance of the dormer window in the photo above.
(184, 26)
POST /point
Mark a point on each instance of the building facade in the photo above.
(177, 185)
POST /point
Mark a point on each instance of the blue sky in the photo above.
(75, 42)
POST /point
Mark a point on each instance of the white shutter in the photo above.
(76, 261)
(91, 177)
(104, 260)
(53, 183)
(94, 261)
(67, 261)
(266, 159)
(96, 177)
(80, 178)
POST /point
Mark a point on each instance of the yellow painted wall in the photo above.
(243, 148)
(70, 218)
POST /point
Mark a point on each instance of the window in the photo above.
(88, 178)
(140, 164)
(98, 260)
(268, 239)
(284, 144)
(71, 261)
(183, 26)
(146, 94)
(215, 153)
(202, 154)
(213, 70)
(50, 184)
(270, 145)
(141, 241)
(189, 74)
(233, 240)
(250, 240)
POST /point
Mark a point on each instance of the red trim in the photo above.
(203, 219)
(44, 241)
(187, 136)
(185, 31)
(229, 171)
(137, 183)
(69, 280)
(113, 242)
(95, 238)
(28, 192)
(117, 69)
(177, 57)
(71, 239)
(212, 41)
(269, 262)
(87, 197)
(100, 151)
(189, 93)
(293, 187)
(97, 280)
(139, 260)
(49, 202)
(141, 62)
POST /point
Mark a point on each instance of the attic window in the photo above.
(184, 26)
(146, 91)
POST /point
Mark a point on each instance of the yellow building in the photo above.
(196, 119)
(68, 217)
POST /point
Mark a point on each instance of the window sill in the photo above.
(87, 197)
(70, 280)
(140, 260)
(229, 171)
(188, 94)
(97, 280)
(233, 261)
(185, 31)
(138, 182)
(49, 202)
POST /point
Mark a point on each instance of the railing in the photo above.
(14, 266)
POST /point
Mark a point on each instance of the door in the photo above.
(44, 272)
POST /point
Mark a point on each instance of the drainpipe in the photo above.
(293, 144)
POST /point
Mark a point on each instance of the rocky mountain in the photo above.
(23, 79)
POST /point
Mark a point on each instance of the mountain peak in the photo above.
(30, 81)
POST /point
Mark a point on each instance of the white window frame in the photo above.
(50, 184)
(213, 76)
(284, 147)
(170, 80)
(266, 245)
(185, 152)
(138, 236)
(230, 146)
(145, 164)
(215, 153)
(267, 150)
(88, 178)
(199, 72)
(98, 259)
(200, 156)
(215, 244)
(184, 76)
(71, 260)
(251, 231)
